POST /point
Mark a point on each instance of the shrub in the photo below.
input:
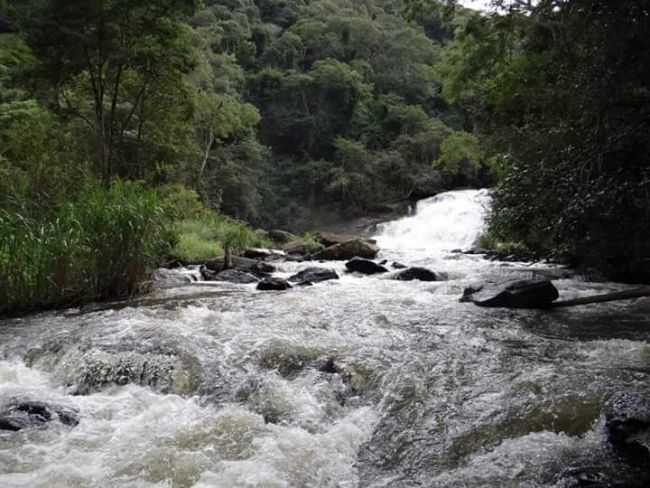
(208, 234)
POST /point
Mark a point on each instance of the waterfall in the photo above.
(451, 220)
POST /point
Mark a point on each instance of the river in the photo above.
(358, 382)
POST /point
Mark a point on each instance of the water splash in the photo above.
(452, 220)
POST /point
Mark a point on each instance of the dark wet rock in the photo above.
(23, 414)
(513, 294)
(286, 358)
(273, 284)
(415, 273)
(296, 248)
(475, 250)
(281, 236)
(235, 276)
(260, 253)
(329, 366)
(328, 239)
(596, 477)
(261, 269)
(314, 275)
(257, 253)
(348, 250)
(627, 420)
(397, 265)
(254, 266)
(364, 266)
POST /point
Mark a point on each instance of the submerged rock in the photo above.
(94, 370)
(513, 294)
(348, 250)
(273, 284)
(397, 265)
(23, 414)
(314, 275)
(365, 266)
(627, 419)
(415, 273)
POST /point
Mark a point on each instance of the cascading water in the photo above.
(446, 222)
(357, 382)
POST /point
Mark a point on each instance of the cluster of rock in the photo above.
(256, 265)
(20, 414)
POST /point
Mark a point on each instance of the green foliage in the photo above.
(208, 234)
(224, 112)
(100, 245)
(460, 153)
(559, 90)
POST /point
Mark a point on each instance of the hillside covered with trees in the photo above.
(121, 119)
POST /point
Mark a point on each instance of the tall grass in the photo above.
(99, 246)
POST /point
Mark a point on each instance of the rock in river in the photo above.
(415, 273)
(314, 275)
(273, 284)
(281, 236)
(348, 250)
(22, 414)
(627, 419)
(364, 266)
(235, 276)
(513, 294)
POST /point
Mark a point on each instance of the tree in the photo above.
(111, 64)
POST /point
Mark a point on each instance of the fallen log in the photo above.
(607, 297)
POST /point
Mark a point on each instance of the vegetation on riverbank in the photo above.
(98, 245)
(559, 93)
(264, 109)
(206, 115)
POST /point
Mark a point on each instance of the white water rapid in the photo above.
(361, 382)
(450, 221)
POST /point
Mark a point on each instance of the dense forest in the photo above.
(133, 131)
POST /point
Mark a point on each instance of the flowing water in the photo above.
(360, 382)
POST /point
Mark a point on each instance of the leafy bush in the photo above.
(208, 234)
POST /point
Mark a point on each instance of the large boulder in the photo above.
(296, 248)
(513, 294)
(416, 274)
(273, 284)
(261, 253)
(314, 275)
(364, 266)
(281, 236)
(328, 239)
(347, 250)
(164, 278)
(253, 266)
(627, 420)
(23, 414)
(235, 276)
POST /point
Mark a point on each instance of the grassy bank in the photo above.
(104, 243)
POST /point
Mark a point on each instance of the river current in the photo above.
(358, 382)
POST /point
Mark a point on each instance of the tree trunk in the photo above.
(607, 297)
